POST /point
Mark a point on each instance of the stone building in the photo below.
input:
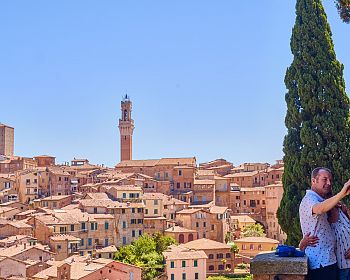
(6, 140)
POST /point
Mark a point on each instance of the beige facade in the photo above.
(6, 140)
(180, 234)
(220, 259)
(13, 164)
(274, 193)
(251, 246)
(184, 263)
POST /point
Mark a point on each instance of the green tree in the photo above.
(343, 7)
(234, 249)
(317, 118)
(146, 252)
(255, 230)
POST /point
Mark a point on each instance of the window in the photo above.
(132, 210)
(133, 221)
(211, 256)
(35, 181)
(197, 224)
(155, 202)
(221, 267)
(124, 224)
(259, 247)
(82, 242)
(89, 241)
(124, 240)
(106, 242)
(155, 211)
(195, 263)
(244, 202)
(228, 255)
(106, 225)
(140, 232)
(133, 233)
(180, 172)
(172, 264)
(83, 226)
(123, 211)
(59, 247)
(212, 227)
(204, 224)
(139, 221)
(71, 227)
(172, 277)
(146, 211)
(124, 195)
(196, 276)
(220, 256)
(211, 267)
(178, 185)
(183, 276)
(139, 210)
(28, 182)
(95, 210)
(183, 263)
(59, 179)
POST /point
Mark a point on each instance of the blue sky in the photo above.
(205, 77)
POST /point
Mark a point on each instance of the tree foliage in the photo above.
(317, 118)
(254, 230)
(146, 252)
(343, 7)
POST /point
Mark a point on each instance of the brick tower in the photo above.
(126, 128)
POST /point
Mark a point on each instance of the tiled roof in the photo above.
(204, 182)
(20, 248)
(253, 189)
(257, 240)
(206, 244)
(242, 174)
(217, 209)
(180, 229)
(243, 219)
(109, 249)
(182, 253)
(55, 197)
(97, 195)
(155, 162)
(62, 237)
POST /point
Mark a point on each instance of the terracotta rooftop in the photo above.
(63, 237)
(203, 182)
(217, 209)
(242, 174)
(243, 219)
(157, 162)
(20, 248)
(182, 253)
(55, 197)
(109, 249)
(97, 195)
(180, 229)
(257, 240)
(253, 189)
(206, 244)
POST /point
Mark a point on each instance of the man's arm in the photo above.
(329, 203)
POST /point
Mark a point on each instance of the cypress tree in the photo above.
(343, 7)
(317, 118)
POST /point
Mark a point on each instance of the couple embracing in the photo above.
(326, 228)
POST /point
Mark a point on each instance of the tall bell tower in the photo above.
(126, 128)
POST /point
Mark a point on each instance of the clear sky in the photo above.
(206, 77)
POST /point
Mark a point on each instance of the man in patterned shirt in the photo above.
(313, 219)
